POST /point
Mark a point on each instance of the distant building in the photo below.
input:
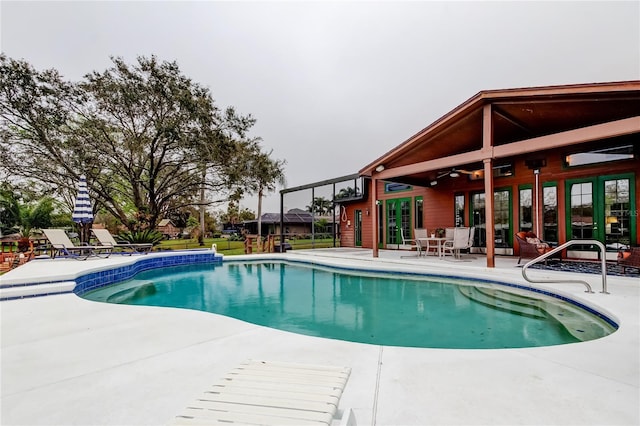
(296, 222)
(168, 229)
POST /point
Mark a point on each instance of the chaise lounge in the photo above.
(106, 239)
(62, 245)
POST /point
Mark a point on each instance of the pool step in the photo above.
(20, 291)
(503, 300)
(572, 318)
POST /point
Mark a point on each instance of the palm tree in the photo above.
(320, 205)
(347, 192)
(264, 174)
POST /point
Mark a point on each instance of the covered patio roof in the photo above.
(496, 124)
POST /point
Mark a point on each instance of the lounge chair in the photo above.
(62, 245)
(106, 239)
(270, 393)
(531, 246)
(629, 259)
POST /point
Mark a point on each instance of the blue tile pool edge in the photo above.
(94, 280)
(91, 280)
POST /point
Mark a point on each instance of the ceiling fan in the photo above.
(454, 173)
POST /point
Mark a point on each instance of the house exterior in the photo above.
(168, 229)
(296, 222)
(562, 161)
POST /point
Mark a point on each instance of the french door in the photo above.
(398, 218)
(601, 208)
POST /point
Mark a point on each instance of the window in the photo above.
(623, 152)
(581, 210)
(502, 216)
(458, 203)
(419, 213)
(396, 187)
(616, 205)
(550, 212)
(526, 209)
(478, 219)
(380, 224)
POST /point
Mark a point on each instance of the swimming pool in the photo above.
(354, 305)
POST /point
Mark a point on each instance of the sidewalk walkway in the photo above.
(66, 360)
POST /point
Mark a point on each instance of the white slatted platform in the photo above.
(270, 393)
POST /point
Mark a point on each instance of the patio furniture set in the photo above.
(58, 244)
(454, 241)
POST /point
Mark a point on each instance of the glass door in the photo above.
(358, 228)
(581, 222)
(501, 219)
(398, 218)
(479, 219)
(599, 208)
(617, 220)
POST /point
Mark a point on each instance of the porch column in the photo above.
(487, 148)
(489, 214)
(374, 215)
(281, 222)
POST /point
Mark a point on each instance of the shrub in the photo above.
(144, 236)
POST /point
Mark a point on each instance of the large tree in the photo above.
(149, 139)
(263, 174)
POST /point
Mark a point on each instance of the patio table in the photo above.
(438, 241)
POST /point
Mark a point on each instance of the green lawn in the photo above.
(230, 248)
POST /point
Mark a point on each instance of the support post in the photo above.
(374, 215)
(487, 147)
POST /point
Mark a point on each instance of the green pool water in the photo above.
(358, 306)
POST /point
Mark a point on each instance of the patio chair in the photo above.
(448, 234)
(106, 239)
(531, 246)
(411, 242)
(62, 245)
(421, 235)
(472, 233)
(629, 259)
(271, 393)
(459, 242)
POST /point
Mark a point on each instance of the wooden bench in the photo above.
(629, 258)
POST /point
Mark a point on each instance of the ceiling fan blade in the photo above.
(466, 172)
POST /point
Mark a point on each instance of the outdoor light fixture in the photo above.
(380, 168)
(454, 174)
(434, 182)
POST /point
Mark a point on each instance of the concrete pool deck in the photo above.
(66, 360)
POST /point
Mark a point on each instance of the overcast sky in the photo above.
(334, 85)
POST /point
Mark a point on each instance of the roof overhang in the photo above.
(522, 120)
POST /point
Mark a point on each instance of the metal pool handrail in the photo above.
(603, 251)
